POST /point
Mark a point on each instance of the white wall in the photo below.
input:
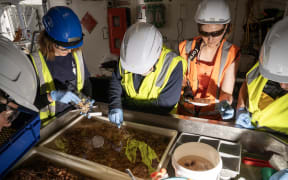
(96, 49)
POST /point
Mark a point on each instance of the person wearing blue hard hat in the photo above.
(59, 63)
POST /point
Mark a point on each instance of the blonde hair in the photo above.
(46, 46)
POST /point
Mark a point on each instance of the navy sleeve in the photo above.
(115, 90)
(167, 99)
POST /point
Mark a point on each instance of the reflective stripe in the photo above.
(253, 74)
(168, 59)
(80, 69)
(121, 69)
(46, 84)
(39, 69)
(188, 49)
(188, 46)
(225, 50)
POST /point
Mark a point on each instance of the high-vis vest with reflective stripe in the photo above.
(155, 81)
(47, 82)
(225, 56)
(275, 115)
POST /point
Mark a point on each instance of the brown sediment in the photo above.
(195, 163)
(39, 168)
(78, 142)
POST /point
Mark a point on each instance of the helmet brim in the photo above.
(75, 46)
(271, 76)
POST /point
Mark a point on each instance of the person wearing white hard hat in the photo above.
(18, 82)
(212, 64)
(262, 101)
(149, 76)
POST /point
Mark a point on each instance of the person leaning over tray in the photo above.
(148, 76)
(212, 64)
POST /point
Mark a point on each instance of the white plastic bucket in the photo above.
(198, 149)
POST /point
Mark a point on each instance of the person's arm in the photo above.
(243, 116)
(115, 90)
(229, 81)
(243, 96)
(168, 97)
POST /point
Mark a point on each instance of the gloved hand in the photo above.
(280, 175)
(187, 92)
(91, 102)
(116, 116)
(243, 119)
(65, 97)
(225, 109)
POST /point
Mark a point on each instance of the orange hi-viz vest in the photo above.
(226, 54)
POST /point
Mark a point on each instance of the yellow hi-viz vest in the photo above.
(275, 115)
(47, 114)
(155, 81)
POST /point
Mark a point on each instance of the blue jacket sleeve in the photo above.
(115, 90)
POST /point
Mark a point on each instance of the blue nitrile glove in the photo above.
(116, 116)
(65, 97)
(280, 175)
(243, 119)
(225, 109)
(91, 101)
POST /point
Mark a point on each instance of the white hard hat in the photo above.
(213, 12)
(140, 48)
(274, 53)
(17, 75)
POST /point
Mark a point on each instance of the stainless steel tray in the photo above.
(98, 170)
(230, 152)
(55, 160)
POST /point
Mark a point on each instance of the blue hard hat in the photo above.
(63, 27)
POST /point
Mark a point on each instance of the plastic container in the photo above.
(26, 132)
(198, 149)
(230, 152)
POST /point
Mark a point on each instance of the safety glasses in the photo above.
(61, 48)
(213, 34)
